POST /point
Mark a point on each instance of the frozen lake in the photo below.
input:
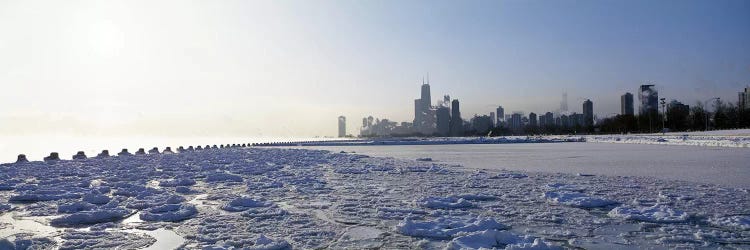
(724, 166)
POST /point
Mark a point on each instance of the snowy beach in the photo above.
(274, 198)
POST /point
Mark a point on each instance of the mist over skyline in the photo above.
(290, 68)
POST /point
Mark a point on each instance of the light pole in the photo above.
(663, 114)
(706, 105)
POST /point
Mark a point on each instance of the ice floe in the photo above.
(309, 199)
(657, 213)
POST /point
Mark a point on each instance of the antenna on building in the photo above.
(428, 77)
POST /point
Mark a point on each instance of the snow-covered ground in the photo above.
(277, 198)
(733, 141)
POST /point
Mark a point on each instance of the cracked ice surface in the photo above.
(292, 198)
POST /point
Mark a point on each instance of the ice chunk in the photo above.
(398, 213)
(494, 239)
(75, 207)
(169, 212)
(91, 217)
(444, 203)
(96, 198)
(509, 176)
(263, 212)
(740, 222)
(564, 187)
(223, 177)
(657, 213)
(244, 203)
(43, 195)
(575, 199)
(265, 243)
(97, 239)
(177, 182)
(446, 227)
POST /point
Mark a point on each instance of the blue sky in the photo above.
(291, 67)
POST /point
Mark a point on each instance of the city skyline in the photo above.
(289, 68)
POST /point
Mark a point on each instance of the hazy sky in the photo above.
(263, 68)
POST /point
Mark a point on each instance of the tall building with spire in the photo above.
(564, 103)
(424, 113)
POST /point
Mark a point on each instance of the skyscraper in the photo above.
(532, 119)
(342, 126)
(425, 95)
(493, 120)
(649, 98)
(443, 120)
(564, 103)
(588, 113)
(744, 99)
(424, 114)
(456, 124)
(626, 104)
(515, 122)
(500, 112)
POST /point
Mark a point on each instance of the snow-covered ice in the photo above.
(274, 198)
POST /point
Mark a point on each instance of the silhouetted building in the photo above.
(532, 119)
(516, 123)
(424, 114)
(588, 113)
(500, 112)
(342, 126)
(744, 99)
(626, 104)
(649, 98)
(493, 120)
(457, 124)
(481, 124)
(443, 121)
(548, 119)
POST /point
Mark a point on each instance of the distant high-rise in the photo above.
(425, 95)
(493, 120)
(515, 122)
(443, 120)
(456, 124)
(649, 98)
(342, 126)
(744, 99)
(588, 113)
(626, 104)
(564, 103)
(548, 118)
(532, 119)
(424, 114)
(500, 112)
